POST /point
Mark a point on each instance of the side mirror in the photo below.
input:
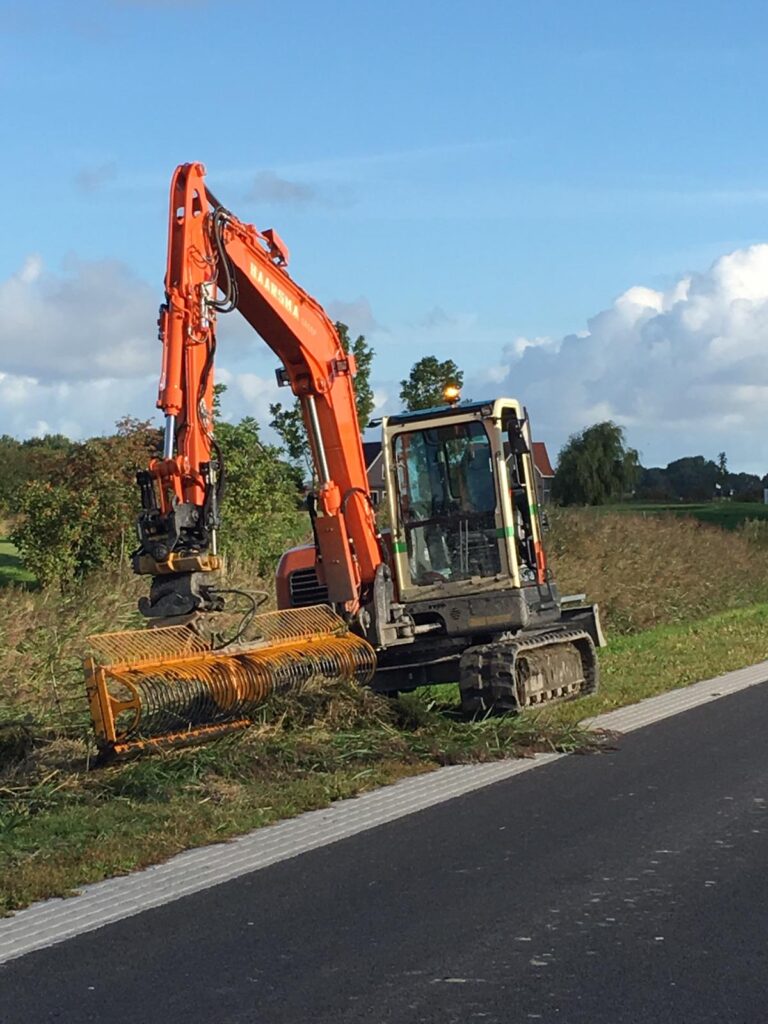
(516, 439)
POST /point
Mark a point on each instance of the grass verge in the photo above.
(11, 567)
(62, 826)
(668, 657)
(729, 515)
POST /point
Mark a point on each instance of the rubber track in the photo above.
(490, 682)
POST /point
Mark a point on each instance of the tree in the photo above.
(595, 466)
(427, 381)
(260, 514)
(693, 478)
(654, 485)
(745, 486)
(287, 421)
(79, 516)
(363, 354)
(22, 461)
(289, 427)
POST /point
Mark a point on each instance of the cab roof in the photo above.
(438, 411)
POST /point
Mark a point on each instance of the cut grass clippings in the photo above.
(62, 826)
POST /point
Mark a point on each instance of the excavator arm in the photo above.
(217, 264)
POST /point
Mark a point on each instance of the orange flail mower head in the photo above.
(169, 686)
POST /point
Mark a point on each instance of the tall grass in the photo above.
(642, 571)
(43, 639)
(647, 571)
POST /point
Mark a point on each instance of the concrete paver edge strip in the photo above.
(52, 921)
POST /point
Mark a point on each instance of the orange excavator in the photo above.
(457, 590)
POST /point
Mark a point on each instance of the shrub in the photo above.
(81, 516)
(261, 513)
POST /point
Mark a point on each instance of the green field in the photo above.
(728, 514)
(11, 567)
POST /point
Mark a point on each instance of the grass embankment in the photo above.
(644, 572)
(61, 825)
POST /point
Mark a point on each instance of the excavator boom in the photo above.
(217, 264)
(169, 683)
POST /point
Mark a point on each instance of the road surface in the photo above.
(627, 886)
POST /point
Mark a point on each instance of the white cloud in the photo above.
(95, 320)
(79, 350)
(31, 408)
(684, 370)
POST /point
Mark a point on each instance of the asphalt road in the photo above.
(627, 886)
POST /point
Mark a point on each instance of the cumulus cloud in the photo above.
(79, 349)
(78, 409)
(684, 370)
(95, 320)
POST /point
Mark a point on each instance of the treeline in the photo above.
(596, 467)
(72, 505)
(696, 478)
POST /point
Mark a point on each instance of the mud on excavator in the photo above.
(457, 589)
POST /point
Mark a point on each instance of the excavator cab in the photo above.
(462, 498)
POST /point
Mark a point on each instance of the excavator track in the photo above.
(518, 672)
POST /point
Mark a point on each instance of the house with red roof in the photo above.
(544, 472)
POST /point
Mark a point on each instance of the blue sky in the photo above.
(505, 170)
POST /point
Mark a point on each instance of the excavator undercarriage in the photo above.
(518, 672)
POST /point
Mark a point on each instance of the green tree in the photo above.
(261, 512)
(79, 517)
(595, 466)
(427, 381)
(287, 421)
(363, 354)
(22, 461)
(654, 485)
(693, 478)
(289, 426)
